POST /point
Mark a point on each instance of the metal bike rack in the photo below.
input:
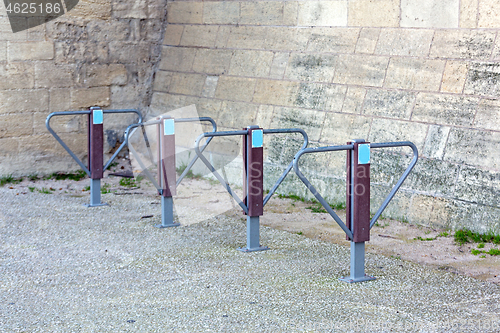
(167, 184)
(96, 168)
(253, 185)
(358, 224)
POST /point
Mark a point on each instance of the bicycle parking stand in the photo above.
(358, 223)
(95, 168)
(166, 172)
(253, 172)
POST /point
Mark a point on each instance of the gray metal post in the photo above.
(95, 193)
(167, 213)
(253, 234)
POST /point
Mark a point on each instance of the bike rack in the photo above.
(358, 224)
(166, 185)
(253, 184)
(95, 169)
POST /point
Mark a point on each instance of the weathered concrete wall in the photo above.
(99, 53)
(388, 70)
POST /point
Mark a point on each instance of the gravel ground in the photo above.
(68, 268)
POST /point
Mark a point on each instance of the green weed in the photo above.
(466, 236)
(105, 188)
(44, 190)
(480, 245)
(129, 182)
(76, 176)
(9, 179)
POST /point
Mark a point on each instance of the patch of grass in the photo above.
(76, 176)
(480, 246)
(190, 174)
(475, 252)
(44, 190)
(494, 252)
(441, 234)
(33, 177)
(31, 188)
(86, 188)
(105, 188)
(9, 179)
(463, 236)
(299, 233)
(130, 182)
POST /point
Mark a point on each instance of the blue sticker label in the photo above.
(364, 153)
(97, 117)
(257, 138)
(168, 127)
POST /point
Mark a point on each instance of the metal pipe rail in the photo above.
(157, 121)
(351, 147)
(72, 113)
(245, 132)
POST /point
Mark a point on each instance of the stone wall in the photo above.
(383, 70)
(102, 52)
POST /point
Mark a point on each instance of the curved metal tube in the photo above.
(61, 142)
(403, 177)
(313, 189)
(211, 167)
(290, 165)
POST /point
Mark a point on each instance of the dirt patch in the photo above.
(209, 198)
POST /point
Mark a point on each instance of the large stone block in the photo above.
(455, 73)
(210, 86)
(483, 79)
(354, 98)
(247, 37)
(105, 75)
(162, 81)
(50, 75)
(478, 186)
(488, 114)
(137, 9)
(322, 13)
(24, 101)
(388, 130)
(173, 34)
(405, 42)
(488, 14)
(309, 67)
(445, 109)
(130, 53)
(92, 10)
(275, 92)
(262, 13)
(264, 116)
(279, 64)
(31, 51)
(185, 12)
(367, 41)
(468, 13)
(237, 114)
(251, 63)
(16, 125)
(369, 13)
(414, 74)
(341, 128)
(308, 120)
(213, 62)
(177, 58)
(319, 96)
(60, 99)
(431, 211)
(287, 38)
(199, 35)
(235, 88)
(17, 75)
(462, 44)
(221, 12)
(187, 84)
(435, 143)
(84, 51)
(6, 33)
(85, 98)
(473, 147)
(430, 13)
(361, 70)
(333, 40)
(389, 103)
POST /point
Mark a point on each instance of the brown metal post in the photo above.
(95, 139)
(253, 175)
(358, 195)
